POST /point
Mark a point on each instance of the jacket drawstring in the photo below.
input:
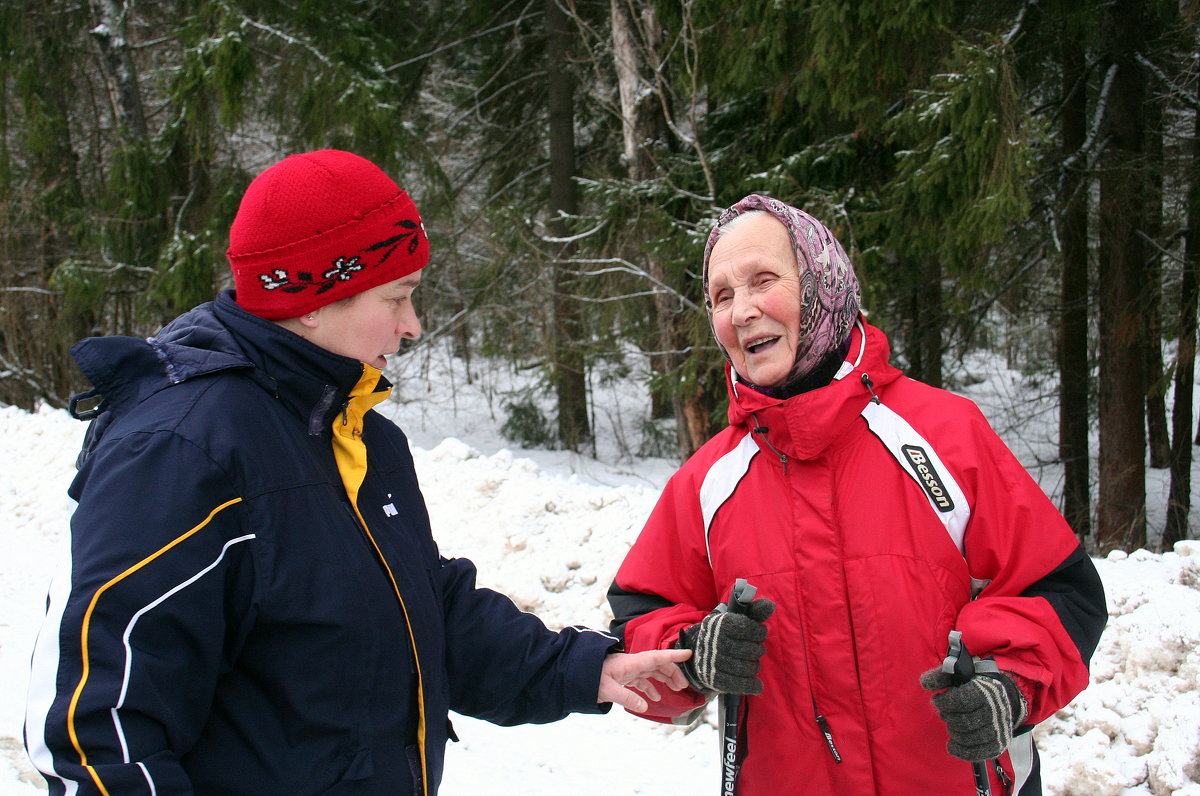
(866, 380)
(762, 430)
(823, 724)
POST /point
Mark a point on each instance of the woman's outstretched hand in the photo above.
(640, 670)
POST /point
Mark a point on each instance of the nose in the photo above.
(409, 325)
(745, 309)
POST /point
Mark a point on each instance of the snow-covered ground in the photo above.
(550, 528)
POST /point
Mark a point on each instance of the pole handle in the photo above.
(961, 667)
(958, 663)
(740, 598)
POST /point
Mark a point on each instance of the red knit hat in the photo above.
(319, 227)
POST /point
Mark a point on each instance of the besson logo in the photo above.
(928, 477)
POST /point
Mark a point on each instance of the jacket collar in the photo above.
(803, 426)
(311, 381)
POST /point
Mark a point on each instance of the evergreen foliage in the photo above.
(955, 149)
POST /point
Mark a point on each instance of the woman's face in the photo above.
(755, 292)
(370, 325)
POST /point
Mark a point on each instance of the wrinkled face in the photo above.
(370, 325)
(755, 292)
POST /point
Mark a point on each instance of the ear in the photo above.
(311, 320)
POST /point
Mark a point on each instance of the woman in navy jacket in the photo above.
(255, 603)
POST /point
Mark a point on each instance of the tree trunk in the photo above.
(641, 125)
(110, 35)
(1073, 446)
(1180, 502)
(929, 325)
(639, 109)
(567, 366)
(1121, 514)
(1156, 380)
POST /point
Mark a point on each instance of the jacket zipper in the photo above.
(352, 495)
(365, 534)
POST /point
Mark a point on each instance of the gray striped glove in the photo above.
(725, 650)
(981, 714)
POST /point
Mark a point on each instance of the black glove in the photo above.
(981, 714)
(725, 650)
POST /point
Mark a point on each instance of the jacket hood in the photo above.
(127, 370)
(804, 425)
(211, 338)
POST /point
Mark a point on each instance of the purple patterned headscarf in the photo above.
(829, 291)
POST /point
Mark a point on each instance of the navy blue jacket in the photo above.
(233, 621)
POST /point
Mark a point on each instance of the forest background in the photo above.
(1017, 177)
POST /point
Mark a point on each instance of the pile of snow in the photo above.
(549, 529)
(1136, 729)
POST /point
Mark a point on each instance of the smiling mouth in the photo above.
(760, 344)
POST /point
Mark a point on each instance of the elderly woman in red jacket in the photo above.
(875, 515)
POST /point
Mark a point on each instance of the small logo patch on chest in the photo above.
(389, 509)
(928, 477)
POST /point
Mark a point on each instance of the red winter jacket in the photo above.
(868, 530)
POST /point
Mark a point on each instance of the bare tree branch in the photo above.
(624, 266)
(1175, 91)
(1097, 120)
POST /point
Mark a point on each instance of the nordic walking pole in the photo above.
(961, 667)
(739, 600)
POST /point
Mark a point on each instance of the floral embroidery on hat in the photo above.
(393, 242)
(344, 268)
